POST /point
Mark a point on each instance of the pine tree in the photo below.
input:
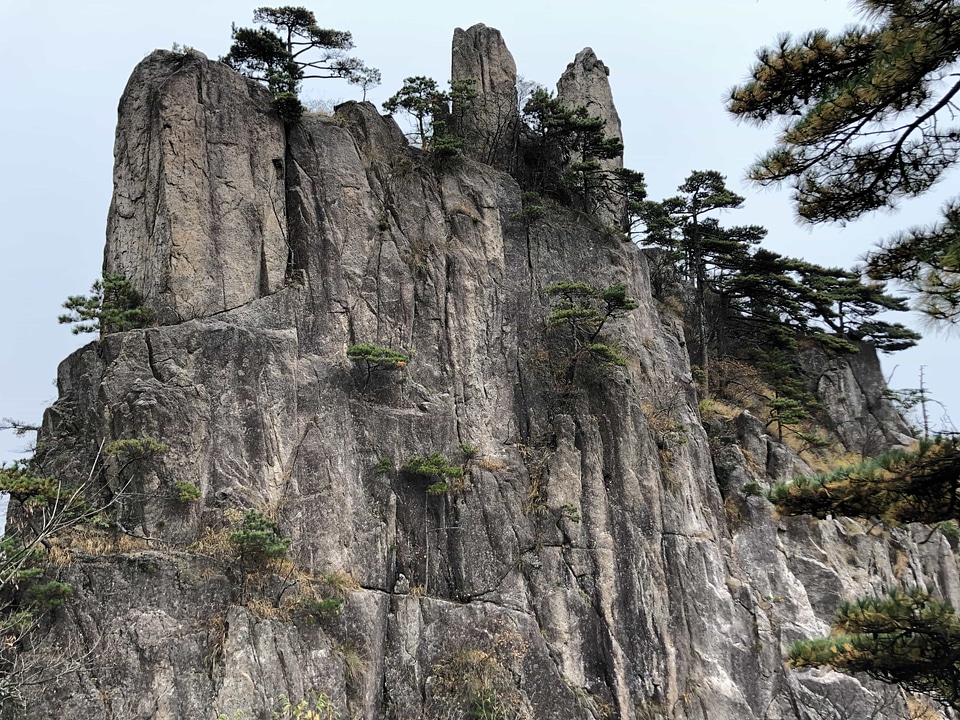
(868, 118)
(562, 150)
(906, 637)
(296, 50)
(685, 228)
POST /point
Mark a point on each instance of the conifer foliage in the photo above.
(756, 304)
(112, 306)
(296, 49)
(562, 151)
(580, 315)
(868, 117)
(905, 637)
(900, 486)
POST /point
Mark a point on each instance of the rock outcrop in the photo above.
(586, 82)
(197, 220)
(489, 122)
(851, 390)
(585, 565)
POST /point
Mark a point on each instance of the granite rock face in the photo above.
(585, 565)
(851, 389)
(197, 221)
(490, 121)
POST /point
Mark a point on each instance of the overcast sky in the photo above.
(671, 64)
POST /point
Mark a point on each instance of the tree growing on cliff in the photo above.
(376, 358)
(423, 100)
(686, 228)
(112, 306)
(868, 118)
(580, 315)
(436, 128)
(296, 49)
(906, 637)
(562, 151)
(41, 509)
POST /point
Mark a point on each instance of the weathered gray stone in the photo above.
(197, 218)
(586, 82)
(586, 565)
(487, 124)
(851, 389)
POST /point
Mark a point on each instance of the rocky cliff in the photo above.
(596, 558)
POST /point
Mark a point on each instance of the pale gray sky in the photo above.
(671, 64)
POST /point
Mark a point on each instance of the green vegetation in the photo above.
(749, 297)
(435, 466)
(950, 530)
(750, 308)
(532, 209)
(112, 306)
(321, 709)
(293, 49)
(49, 595)
(469, 451)
(437, 129)
(867, 118)
(477, 684)
(41, 509)
(752, 489)
(258, 541)
(563, 151)
(898, 486)
(314, 609)
(186, 492)
(374, 358)
(906, 637)
(696, 242)
(580, 315)
(131, 447)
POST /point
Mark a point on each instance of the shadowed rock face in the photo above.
(586, 565)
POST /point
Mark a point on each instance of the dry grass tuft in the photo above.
(339, 582)
(490, 464)
(92, 541)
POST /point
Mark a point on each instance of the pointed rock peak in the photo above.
(480, 52)
(586, 82)
(588, 61)
(487, 123)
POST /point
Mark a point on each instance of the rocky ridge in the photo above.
(599, 558)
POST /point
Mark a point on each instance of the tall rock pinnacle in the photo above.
(197, 221)
(488, 125)
(585, 82)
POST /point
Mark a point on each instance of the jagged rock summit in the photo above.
(575, 557)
